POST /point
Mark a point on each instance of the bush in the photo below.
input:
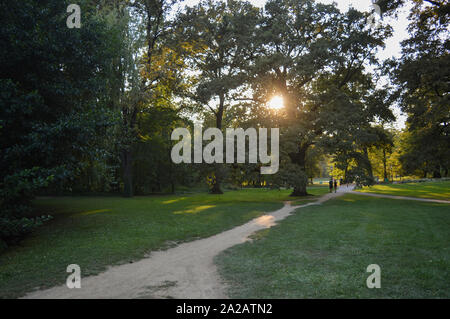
(16, 193)
(13, 229)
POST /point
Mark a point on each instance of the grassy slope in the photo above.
(323, 252)
(435, 190)
(95, 232)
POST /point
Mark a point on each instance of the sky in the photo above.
(393, 47)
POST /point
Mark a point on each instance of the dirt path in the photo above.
(186, 271)
(403, 197)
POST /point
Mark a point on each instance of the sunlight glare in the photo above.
(276, 103)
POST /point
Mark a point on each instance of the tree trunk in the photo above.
(171, 177)
(299, 158)
(346, 179)
(129, 119)
(367, 163)
(217, 171)
(300, 190)
(437, 172)
(127, 162)
(385, 165)
(216, 183)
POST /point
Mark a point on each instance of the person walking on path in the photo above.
(331, 184)
(335, 185)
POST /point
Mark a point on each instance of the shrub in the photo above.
(16, 193)
(13, 229)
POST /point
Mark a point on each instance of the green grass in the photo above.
(433, 190)
(95, 232)
(323, 252)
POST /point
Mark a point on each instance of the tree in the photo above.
(222, 34)
(315, 58)
(422, 77)
(143, 74)
(381, 152)
(53, 109)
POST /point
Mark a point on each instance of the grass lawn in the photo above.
(434, 190)
(95, 232)
(323, 252)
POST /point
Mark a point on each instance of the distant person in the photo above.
(341, 181)
(331, 185)
(335, 185)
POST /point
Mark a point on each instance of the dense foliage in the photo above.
(92, 109)
(52, 102)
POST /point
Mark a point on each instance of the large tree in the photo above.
(423, 78)
(315, 57)
(148, 70)
(53, 99)
(222, 37)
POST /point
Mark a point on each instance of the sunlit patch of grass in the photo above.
(92, 212)
(173, 200)
(95, 232)
(195, 210)
(432, 190)
(323, 252)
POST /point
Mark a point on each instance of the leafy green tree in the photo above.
(139, 70)
(315, 57)
(223, 37)
(52, 101)
(381, 152)
(422, 76)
